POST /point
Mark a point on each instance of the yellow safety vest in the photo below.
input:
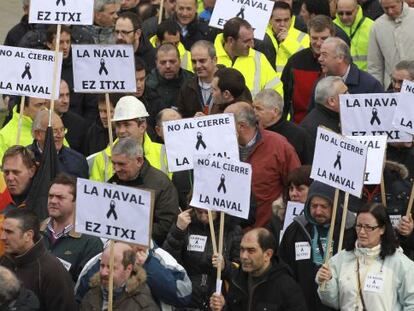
(185, 56)
(255, 68)
(295, 41)
(8, 134)
(359, 34)
(102, 166)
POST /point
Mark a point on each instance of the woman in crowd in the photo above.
(372, 273)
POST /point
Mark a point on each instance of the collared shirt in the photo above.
(345, 76)
(55, 236)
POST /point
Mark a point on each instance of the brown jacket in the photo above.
(136, 297)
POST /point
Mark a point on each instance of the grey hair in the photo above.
(270, 99)
(341, 48)
(129, 147)
(99, 5)
(211, 50)
(326, 89)
(37, 122)
(246, 114)
(407, 65)
(9, 286)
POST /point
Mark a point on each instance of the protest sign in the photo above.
(407, 87)
(103, 68)
(375, 158)
(114, 212)
(293, 209)
(222, 185)
(371, 114)
(339, 162)
(68, 12)
(28, 72)
(256, 12)
(404, 113)
(214, 134)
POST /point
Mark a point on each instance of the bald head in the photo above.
(9, 286)
(243, 112)
(347, 11)
(164, 115)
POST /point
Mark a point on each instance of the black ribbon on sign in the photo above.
(375, 117)
(222, 185)
(338, 160)
(241, 13)
(112, 210)
(63, 2)
(200, 141)
(27, 71)
(103, 68)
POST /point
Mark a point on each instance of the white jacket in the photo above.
(390, 42)
(396, 272)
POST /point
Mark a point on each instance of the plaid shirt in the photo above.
(55, 236)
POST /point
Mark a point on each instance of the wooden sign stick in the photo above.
(343, 221)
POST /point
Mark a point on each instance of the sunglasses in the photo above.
(346, 13)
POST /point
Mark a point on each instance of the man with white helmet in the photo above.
(130, 122)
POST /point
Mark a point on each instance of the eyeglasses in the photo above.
(346, 13)
(57, 131)
(367, 228)
(123, 32)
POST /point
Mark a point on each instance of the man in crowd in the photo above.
(404, 70)
(168, 77)
(69, 161)
(8, 134)
(262, 279)
(128, 30)
(227, 87)
(271, 157)
(285, 40)
(129, 6)
(19, 168)
(73, 122)
(131, 169)
(303, 70)
(350, 18)
(196, 94)
(268, 106)
(326, 111)
(130, 121)
(234, 48)
(129, 283)
(391, 39)
(35, 267)
(304, 243)
(104, 17)
(73, 249)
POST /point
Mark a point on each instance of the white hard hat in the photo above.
(129, 108)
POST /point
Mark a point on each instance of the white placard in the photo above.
(293, 209)
(214, 134)
(196, 243)
(371, 114)
(302, 250)
(404, 114)
(103, 68)
(28, 72)
(256, 12)
(375, 158)
(68, 12)
(222, 185)
(339, 162)
(113, 212)
(374, 282)
(407, 87)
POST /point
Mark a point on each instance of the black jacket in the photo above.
(76, 130)
(97, 138)
(372, 9)
(277, 291)
(18, 31)
(320, 115)
(197, 30)
(45, 275)
(165, 201)
(189, 98)
(146, 52)
(26, 300)
(297, 137)
(198, 263)
(302, 230)
(69, 161)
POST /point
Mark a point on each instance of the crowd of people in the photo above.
(279, 90)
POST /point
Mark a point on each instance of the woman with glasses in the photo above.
(372, 273)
